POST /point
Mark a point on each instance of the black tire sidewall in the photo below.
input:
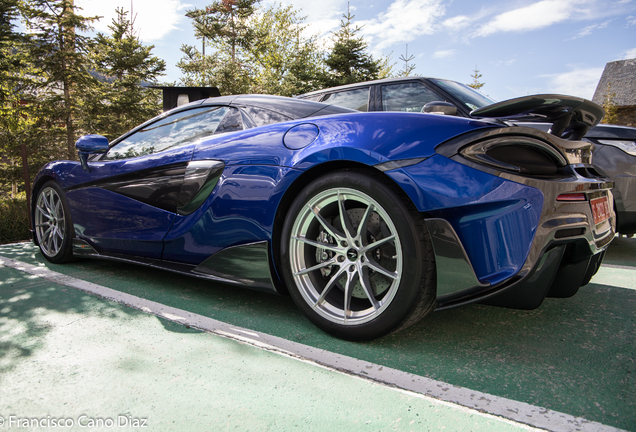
(408, 291)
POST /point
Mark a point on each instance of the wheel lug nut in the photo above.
(352, 268)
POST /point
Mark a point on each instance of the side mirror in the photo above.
(439, 107)
(88, 144)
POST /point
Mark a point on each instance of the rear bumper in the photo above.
(567, 249)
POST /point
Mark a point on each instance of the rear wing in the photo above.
(571, 117)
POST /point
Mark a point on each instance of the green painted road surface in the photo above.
(66, 353)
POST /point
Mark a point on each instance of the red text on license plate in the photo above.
(600, 209)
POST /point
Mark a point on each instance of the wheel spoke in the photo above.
(333, 232)
(363, 275)
(317, 267)
(377, 243)
(347, 227)
(44, 213)
(364, 222)
(317, 244)
(375, 266)
(330, 284)
(348, 292)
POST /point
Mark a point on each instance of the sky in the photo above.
(519, 47)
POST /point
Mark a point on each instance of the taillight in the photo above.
(572, 197)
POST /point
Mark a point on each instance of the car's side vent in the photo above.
(518, 154)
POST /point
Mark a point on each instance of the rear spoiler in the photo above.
(571, 117)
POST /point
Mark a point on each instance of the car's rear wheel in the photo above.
(52, 223)
(356, 259)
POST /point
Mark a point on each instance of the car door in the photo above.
(128, 201)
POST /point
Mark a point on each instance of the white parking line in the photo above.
(482, 402)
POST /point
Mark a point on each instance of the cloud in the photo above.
(154, 18)
(578, 82)
(535, 16)
(629, 54)
(403, 21)
(443, 54)
(457, 23)
(631, 20)
(504, 62)
(589, 29)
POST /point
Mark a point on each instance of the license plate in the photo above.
(600, 209)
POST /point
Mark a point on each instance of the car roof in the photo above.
(366, 83)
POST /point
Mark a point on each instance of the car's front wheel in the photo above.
(52, 223)
(357, 260)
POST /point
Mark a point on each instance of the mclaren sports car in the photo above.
(369, 220)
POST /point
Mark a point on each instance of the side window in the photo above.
(407, 97)
(178, 129)
(357, 99)
(231, 122)
(262, 117)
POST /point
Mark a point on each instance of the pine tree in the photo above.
(282, 60)
(225, 24)
(125, 69)
(348, 61)
(475, 76)
(408, 68)
(60, 55)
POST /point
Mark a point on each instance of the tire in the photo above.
(53, 225)
(374, 277)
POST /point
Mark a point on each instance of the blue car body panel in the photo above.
(496, 219)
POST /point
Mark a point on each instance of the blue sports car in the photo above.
(368, 220)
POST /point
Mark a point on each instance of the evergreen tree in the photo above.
(60, 55)
(213, 70)
(408, 68)
(23, 113)
(225, 24)
(476, 84)
(12, 111)
(283, 61)
(348, 61)
(125, 68)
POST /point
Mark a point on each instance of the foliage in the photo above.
(118, 101)
(214, 70)
(20, 114)
(226, 25)
(252, 51)
(408, 68)
(348, 60)
(284, 61)
(609, 105)
(14, 219)
(59, 54)
(476, 84)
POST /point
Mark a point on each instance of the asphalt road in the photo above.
(66, 353)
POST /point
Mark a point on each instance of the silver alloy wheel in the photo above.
(50, 223)
(345, 256)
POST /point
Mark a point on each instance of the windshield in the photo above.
(470, 97)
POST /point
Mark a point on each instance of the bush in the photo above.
(14, 219)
